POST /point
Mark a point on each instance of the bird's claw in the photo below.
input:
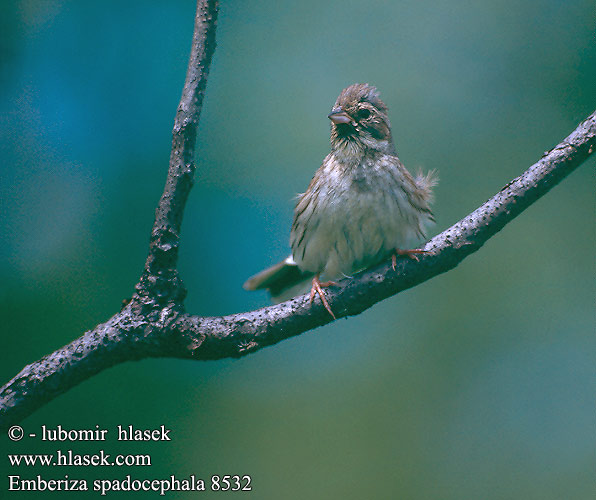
(410, 254)
(317, 287)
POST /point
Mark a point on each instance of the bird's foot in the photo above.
(317, 287)
(410, 254)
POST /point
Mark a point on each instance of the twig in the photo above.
(160, 279)
(154, 323)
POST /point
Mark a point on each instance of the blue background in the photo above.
(477, 384)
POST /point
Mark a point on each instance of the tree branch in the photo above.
(160, 290)
(239, 334)
(154, 323)
(160, 280)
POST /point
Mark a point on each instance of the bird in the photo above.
(361, 207)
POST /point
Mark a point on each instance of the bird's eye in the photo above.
(363, 114)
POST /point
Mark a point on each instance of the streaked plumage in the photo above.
(361, 206)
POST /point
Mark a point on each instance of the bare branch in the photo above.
(239, 334)
(160, 279)
(143, 330)
(160, 289)
(154, 323)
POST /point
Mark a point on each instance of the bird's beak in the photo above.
(338, 116)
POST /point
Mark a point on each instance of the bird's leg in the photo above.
(317, 287)
(410, 254)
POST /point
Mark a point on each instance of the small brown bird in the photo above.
(362, 205)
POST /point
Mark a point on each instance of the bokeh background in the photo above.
(477, 384)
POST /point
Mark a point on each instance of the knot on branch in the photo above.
(163, 249)
(161, 288)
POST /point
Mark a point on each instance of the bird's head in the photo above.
(359, 121)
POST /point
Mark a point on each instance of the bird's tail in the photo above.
(282, 280)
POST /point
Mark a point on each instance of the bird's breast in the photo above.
(350, 218)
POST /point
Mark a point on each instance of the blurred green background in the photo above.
(477, 384)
